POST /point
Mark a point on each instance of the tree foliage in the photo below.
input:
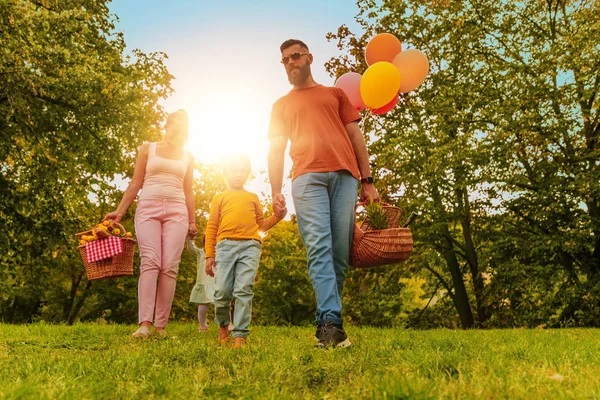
(497, 150)
(74, 108)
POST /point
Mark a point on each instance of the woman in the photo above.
(164, 216)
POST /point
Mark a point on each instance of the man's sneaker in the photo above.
(333, 335)
(239, 343)
(318, 332)
(223, 335)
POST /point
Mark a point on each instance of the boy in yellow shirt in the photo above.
(233, 246)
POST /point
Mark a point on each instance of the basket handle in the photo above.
(121, 227)
(395, 221)
(89, 231)
(364, 203)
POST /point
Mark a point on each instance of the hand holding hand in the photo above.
(280, 212)
(210, 266)
(279, 199)
(192, 230)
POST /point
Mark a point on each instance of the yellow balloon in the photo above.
(379, 84)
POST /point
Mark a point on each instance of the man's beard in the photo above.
(301, 76)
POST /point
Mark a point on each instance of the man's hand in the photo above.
(279, 205)
(279, 199)
(210, 266)
(368, 193)
(280, 212)
(275, 164)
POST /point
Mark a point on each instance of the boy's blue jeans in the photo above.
(324, 203)
(236, 266)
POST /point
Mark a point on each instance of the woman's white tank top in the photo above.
(164, 178)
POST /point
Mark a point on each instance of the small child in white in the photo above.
(203, 291)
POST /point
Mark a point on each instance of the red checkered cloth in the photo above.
(103, 248)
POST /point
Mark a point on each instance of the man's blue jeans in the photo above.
(324, 203)
(236, 266)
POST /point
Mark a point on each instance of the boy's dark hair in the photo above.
(292, 42)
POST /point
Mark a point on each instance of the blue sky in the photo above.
(225, 57)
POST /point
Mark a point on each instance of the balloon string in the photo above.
(369, 116)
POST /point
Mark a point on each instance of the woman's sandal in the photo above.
(142, 332)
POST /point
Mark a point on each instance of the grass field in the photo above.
(102, 361)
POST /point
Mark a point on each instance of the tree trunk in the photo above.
(460, 298)
(10, 315)
(68, 305)
(472, 259)
(80, 302)
(594, 212)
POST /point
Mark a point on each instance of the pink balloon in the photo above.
(413, 66)
(350, 84)
(388, 107)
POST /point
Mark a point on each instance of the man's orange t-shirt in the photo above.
(314, 120)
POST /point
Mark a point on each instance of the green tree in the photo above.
(425, 150)
(544, 55)
(498, 149)
(382, 296)
(74, 110)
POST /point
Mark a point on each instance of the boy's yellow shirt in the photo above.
(236, 215)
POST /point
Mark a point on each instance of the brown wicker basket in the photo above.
(371, 248)
(118, 265)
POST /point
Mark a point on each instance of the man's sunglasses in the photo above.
(293, 56)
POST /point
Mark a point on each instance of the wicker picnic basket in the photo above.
(371, 248)
(118, 265)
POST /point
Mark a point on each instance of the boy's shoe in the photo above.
(224, 335)
(333, 335)
(239, 343)
(142, 332)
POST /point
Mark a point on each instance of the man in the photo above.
(329, 157)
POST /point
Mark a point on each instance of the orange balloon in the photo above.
(413, 66)
(383, 47)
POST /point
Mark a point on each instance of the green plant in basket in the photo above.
(376, 216)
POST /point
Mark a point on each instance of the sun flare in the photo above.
(216, 130)
(220, 125)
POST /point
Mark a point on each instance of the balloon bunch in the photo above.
(391, 71)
